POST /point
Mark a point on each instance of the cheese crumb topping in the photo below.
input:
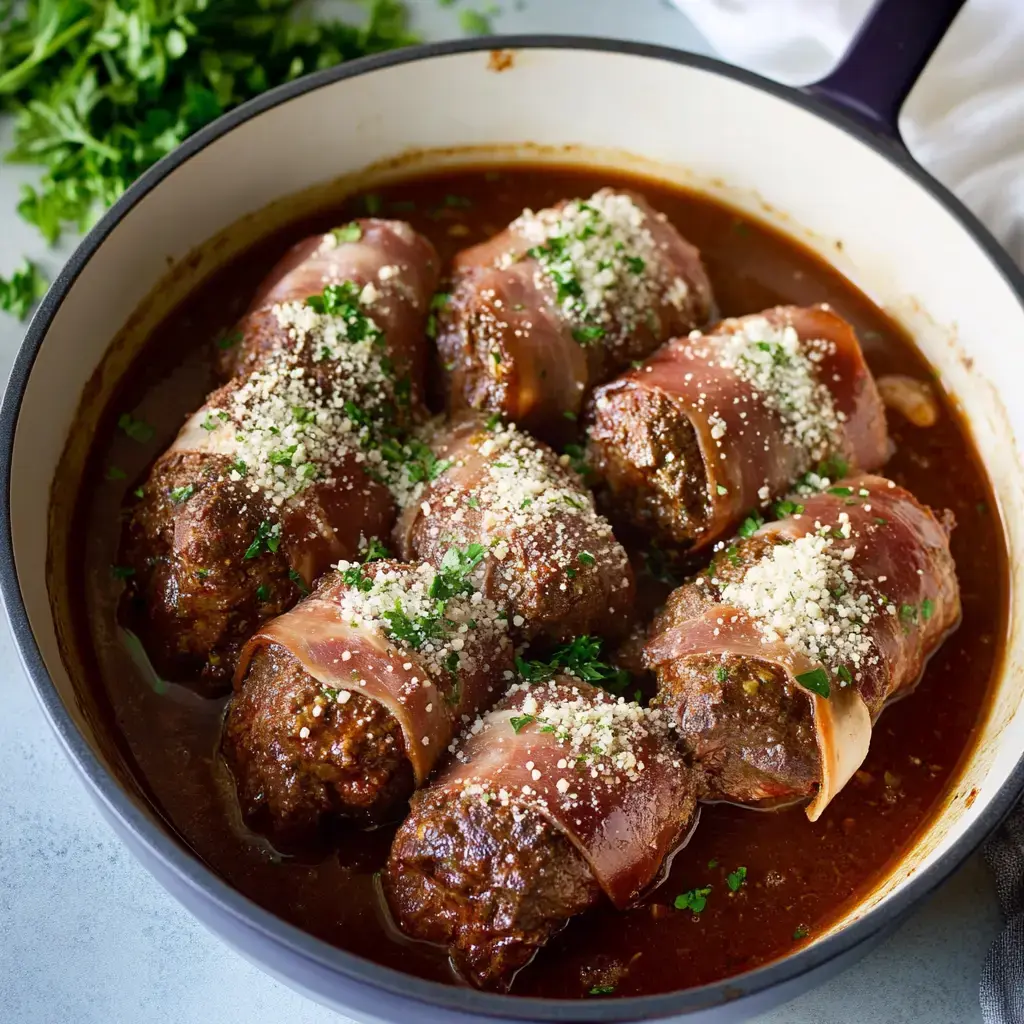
(601, 259)
(772, 359)
(806, 594)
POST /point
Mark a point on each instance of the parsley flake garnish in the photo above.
(26, 286)
(348, 233)
(816, 681)
(121, 572)
(268, 538)
(694, 899)
(520, 722)
(137, 430)
(180, 494)
(736, 878)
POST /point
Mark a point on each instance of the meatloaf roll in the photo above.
(345, 704)
(716, 424)
(383, 263)
(775, 662)
(559, 797)
(560, 301)
(551, 561)
(274, 478)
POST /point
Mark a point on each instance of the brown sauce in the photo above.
(799, 876)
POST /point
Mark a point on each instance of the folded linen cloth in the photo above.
(964, 122)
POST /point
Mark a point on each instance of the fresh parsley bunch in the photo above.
(102, 89)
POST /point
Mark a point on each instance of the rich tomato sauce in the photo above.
(799, 876)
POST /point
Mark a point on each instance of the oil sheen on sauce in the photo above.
(799, 876)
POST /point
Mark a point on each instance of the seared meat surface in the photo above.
(491, 882)
(303, 756)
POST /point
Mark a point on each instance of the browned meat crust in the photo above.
(645, 450)
(195, 598)
(491, 882)
(302, 758)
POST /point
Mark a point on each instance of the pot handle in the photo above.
(885, 59)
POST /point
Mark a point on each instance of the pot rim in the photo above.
(182, 862)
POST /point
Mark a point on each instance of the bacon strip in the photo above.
(744, 457)
(343, 657)
(625, 828)
(900, 552)
(509, 347)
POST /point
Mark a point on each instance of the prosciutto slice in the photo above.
(385, 260)
(429, 703)
(716, 424)
(552, 561)
(527, 330)
(729, 637)
(626, 809)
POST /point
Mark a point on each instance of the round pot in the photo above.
(841, 182)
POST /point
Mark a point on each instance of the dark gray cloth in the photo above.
(1002, 978)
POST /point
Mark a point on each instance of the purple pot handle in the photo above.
(886, 58)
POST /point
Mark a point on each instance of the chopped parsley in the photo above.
(694, 899)
(580, 657)
(782, 509)
(342, 300)
(587, 334)
(492, 421)
(373, 203)
(452, 577)
(375, 551)
(657, 563)
(721, 490)
(437, 303)
(297, 579)
(816, 681)
(927, 609)
(721, 673)
(116, 473)
(180, 494)
(262, 592)
(735, 879)
(601, 990)
(239, 467)
(139, 492)
(801, 932)
(751, 524)
(283, 456)
(26, 286)
(411, 631)
(268, 538)
(845, 675)
(121, 572)
(353, 577)
(586, 558)
(520, 722)
(348, 233)
(138, 430)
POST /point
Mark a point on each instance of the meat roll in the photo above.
(552, 561)
(561, 795)
(714, 425)
(345, 704)
(384, 262)
(775, 662)
(271, 481)
(560, 301)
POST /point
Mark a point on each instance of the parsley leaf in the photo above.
(268, 538)
(695, 899)
(581, 658)
(137, 430)
(26, 286)
(736, 878)
(102, 89)
(816, 681)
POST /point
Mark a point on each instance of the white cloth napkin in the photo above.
(964, 120)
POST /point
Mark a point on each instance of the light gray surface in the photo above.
(87, 937)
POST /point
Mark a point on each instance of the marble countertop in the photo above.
(88, 937)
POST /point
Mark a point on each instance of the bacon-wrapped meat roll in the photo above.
(714, 425)
(560, 301)
(775, 662)
(345, 704)
(561, 794)
(552, 561)
(271, 481)
(385, 263)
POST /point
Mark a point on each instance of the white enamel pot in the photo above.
(839, 181)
